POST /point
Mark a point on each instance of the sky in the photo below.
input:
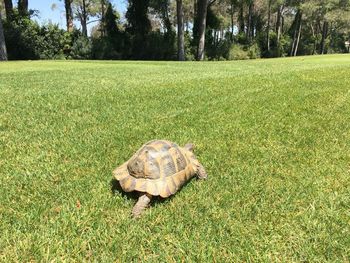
(57, 15)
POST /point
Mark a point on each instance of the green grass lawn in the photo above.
(274, 136)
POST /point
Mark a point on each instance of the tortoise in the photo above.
(158, 168)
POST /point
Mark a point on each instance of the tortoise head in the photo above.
(136, 167)
(189, 147)
(201, 173)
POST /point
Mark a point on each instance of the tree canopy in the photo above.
(180, 29)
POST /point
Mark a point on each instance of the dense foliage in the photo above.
(235, 29)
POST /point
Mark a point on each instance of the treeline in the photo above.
(179, 29)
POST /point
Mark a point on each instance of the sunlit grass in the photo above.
(274, 136)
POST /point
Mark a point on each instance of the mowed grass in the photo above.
(274, 136)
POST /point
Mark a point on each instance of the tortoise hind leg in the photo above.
(141, 204)
(201, 173)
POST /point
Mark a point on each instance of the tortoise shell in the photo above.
(159, 167)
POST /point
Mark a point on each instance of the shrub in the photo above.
(22, 39)
(276, 50)
(161, 46)
(104, 48)
(81, 48)
(25, 39)
(219, 50)
(241, 39)
(254, 51)
(237, 52)
(52, 42)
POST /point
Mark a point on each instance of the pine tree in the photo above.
(138, 27)
(111, 27)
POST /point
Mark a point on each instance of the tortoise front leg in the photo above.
(141, 204)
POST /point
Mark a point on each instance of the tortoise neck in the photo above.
(189, 147)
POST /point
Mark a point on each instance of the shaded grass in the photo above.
(273, 134)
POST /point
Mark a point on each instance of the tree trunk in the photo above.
(241, 17)
(298, 38)
(202, 19)
(194, 9)
(8, 9)
(268, 27)
(324, 37)
(84, 27)
(249, 25)
(279, 24)
(253, 26)
(3, 52)
(103, 22)
(167, 21)
(314, 37)
(232, 21)
(296, 34)
(69, 15)
(180, 31)
(84, 19)
(23, 7)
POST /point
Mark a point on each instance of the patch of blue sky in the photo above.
(52, 11)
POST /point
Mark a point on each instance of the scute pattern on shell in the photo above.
(159, 168)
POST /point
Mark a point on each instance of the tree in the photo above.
(249, 30)
(241, 16)
(83, 10)
(215, 28)
(83, 16)
(103, 17)
(162, 9)
(136, 14)
(110, 19)
(231, 9)
(138, 27)
(189, 13)
(8, 9)
(23, 7)
(3, 52)
(202, 7)
(297, 24)
(69, 14)
(268, 26)
(162, 14)
(180, 30)
(279, 22)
